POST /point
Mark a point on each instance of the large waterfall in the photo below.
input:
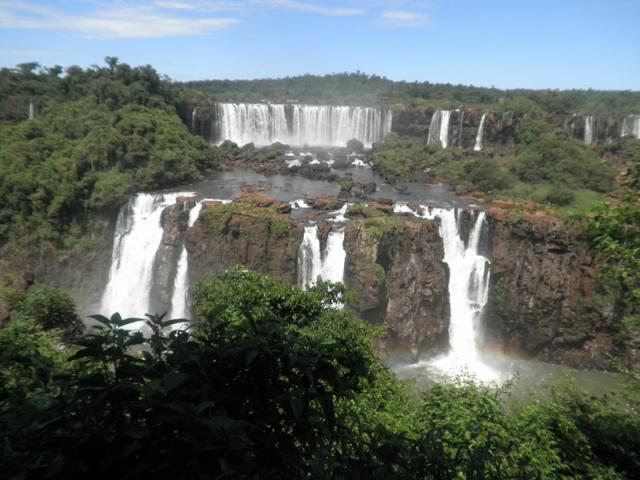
(588, 130)
(439, 128)
(478, 145)
(468, 291)
(299, 125)
(631, 126)
(137, 238)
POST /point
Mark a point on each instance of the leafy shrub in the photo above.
(50, 308)
(560, 196)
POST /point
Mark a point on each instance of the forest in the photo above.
(362, 89)
(273, 381)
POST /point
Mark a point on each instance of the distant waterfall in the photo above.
(194, 113)
(461, 129)
(588, 130)
(314, 264)
(32, 111)
(137, 238)
(299, 125)
(468, 291)
(439, 128)
(631, 126)
(479, 136)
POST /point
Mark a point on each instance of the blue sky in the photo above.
(503, 43)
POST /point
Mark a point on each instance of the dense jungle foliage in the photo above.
(362, 89)
(274, 382)
(99, 135)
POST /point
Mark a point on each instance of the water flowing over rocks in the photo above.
(292, 124)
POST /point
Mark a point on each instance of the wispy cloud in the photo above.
(180, 18)
(310, 8)
(403, 19)
(110, 23)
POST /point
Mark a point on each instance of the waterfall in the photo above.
(194, 112)
(468, 292)
(137, 238)
(299, 125)
(631, 126)
(179, 298)
(478, 146)
(588, 130)
(439, 128)
(179, 308)
(328, 264)
(309, 264)
(461, 129)
(32, 111)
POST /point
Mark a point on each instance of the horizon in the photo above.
(578, 45)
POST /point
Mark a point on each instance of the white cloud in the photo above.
(175, 5)
(403, 19)
(310, 8)
(112, 23)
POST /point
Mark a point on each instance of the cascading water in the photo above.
(137, 238)
(309, 257)
(299, 125)
(32, 111)
(179, 303)
(461, 130)
(328, 264)
(631, 126)
(194, 113)
(588, 130)
(439, 128)
(479, 136)
(468, 293)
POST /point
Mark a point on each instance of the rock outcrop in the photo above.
(174, 220)
(395, 266)
(544, 297)
(242, 233)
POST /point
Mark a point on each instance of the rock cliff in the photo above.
(395, 266)
(245, 234)
(545, 300)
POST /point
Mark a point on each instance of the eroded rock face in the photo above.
(395, 266)
(174, 220)
(268, 245)
(544, 299)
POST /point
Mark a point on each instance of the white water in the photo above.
(329, 264)
(314, 264)
(137, 238)
(468, 294)
(295, 204)
(588, 130)
(439, 128)
(32, 111)
(194, 112)
(460, 131)
(478, 145)
(179, 298)
(299, 125)
(631, 126)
